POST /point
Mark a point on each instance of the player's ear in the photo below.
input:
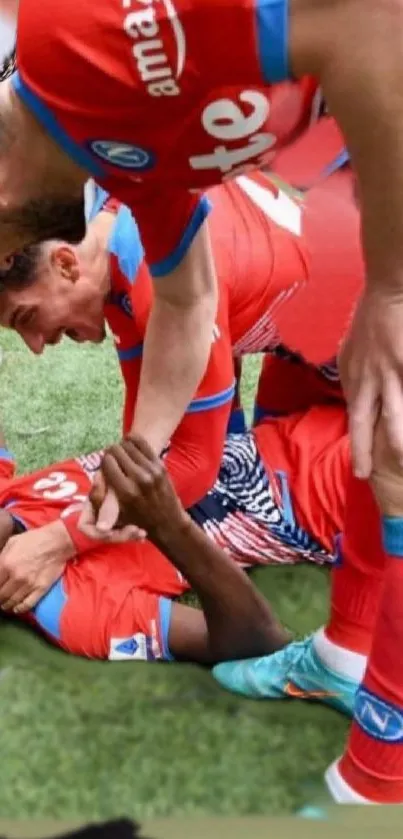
(64, 261)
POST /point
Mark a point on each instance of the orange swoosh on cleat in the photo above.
(296, 693)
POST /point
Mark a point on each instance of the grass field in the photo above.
(94, 739)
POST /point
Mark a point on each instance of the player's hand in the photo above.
(143, 488)
(100, 518)
(387, 475)
(371, 370)
(31, 563)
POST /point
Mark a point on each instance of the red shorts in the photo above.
(312, 451)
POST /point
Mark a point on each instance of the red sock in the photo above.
(373, 761)
(357, 577)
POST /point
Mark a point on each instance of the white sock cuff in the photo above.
(340, 790)
(342, 661)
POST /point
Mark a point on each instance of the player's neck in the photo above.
(96, 250)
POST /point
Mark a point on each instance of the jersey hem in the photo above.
(166, 266)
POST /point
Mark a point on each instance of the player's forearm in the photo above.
(240, 622)
(359, 60)
(177, 344)
(60, 542)
(194, 457)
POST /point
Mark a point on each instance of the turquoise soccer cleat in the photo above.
(293, 672)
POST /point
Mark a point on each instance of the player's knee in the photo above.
(387, 475)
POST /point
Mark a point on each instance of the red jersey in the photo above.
(112, 603)
(159, 100)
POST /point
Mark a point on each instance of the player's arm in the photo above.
(177, 342)
(237, 620)
(355, 48)
(195, 449)
(195, 452)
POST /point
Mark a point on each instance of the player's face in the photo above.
(52, 307)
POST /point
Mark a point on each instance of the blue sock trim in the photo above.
(392, 531)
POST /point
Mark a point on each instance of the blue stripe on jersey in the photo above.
(5, 454)
(129, 354)
(272, 18)
(159, 269)
(165, 610)
(207, 403)
(52, 127)
(125, 244)
(100, 197)
(48, 611)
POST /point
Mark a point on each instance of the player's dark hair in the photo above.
(7, 69)
(23, 270)
(9, 65)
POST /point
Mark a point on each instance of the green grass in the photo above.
(94, 739)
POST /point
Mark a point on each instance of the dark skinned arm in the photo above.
(237, 621)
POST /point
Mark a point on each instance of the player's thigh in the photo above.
(321, 481)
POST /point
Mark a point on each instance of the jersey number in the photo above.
(56, 487)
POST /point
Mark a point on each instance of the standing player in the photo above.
(157, 123)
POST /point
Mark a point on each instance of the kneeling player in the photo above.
(354, 663)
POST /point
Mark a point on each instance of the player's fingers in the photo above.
(86, 522)
(363, 414)
(114, 471)
(108, 513)
(129, 533)
(13, 596)
(392, 412)
(152, 465)
(142, 446)
(28, 602)
(4, 575)
(132, 465)
(98, 491)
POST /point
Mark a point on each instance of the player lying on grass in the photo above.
(116, 601)
(279, 498)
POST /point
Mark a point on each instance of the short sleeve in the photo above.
(168, 225)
